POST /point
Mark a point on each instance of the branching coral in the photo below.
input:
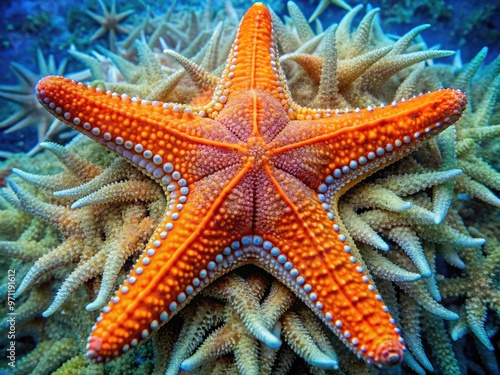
(157, 32)
(92, 219)
(31, 113)
(97, 250)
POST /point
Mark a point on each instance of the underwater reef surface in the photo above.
(74, 219)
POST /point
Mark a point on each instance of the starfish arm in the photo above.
(121, 16)
(17, 117)
(315, 259)
(157, 137)
(253, 61)
(13, 97)
(100, 19)
(25, 76)
(122, 29)
(105, 10)
(345, 147)
(186, 253)
(29, 120)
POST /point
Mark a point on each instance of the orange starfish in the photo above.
(251, 177)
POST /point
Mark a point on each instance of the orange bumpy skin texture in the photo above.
(251, 177)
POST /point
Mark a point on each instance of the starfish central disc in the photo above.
(257, 150)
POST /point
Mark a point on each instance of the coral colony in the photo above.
(248, 194)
